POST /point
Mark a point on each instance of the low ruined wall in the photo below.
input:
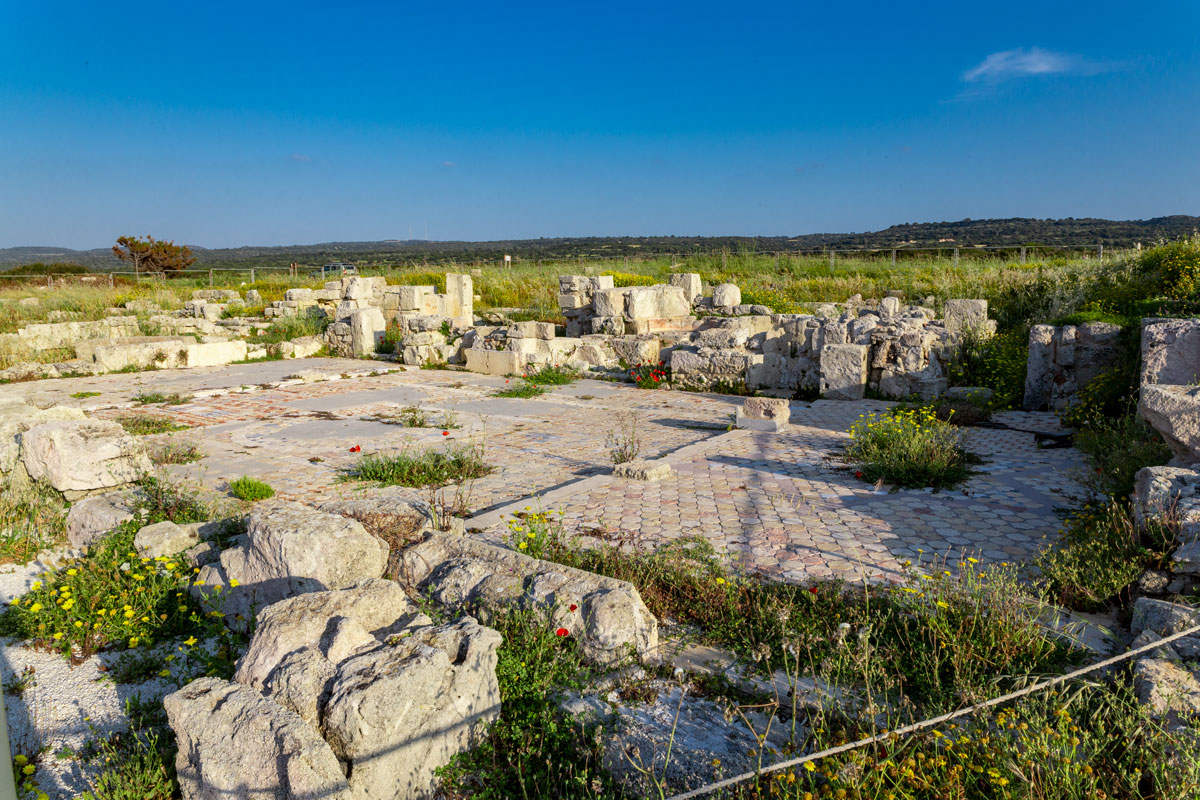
(1062, 360)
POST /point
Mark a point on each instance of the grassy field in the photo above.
(786, 283)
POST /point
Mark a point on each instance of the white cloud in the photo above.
(300, 157)
(1028, 62)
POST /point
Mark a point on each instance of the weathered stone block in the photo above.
(79, 456)
(727, 295)
(1171, 351)
(844, 371)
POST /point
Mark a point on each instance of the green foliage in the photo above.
(650, 376)
(138, 764)
(250, 489)
(284, 329)
(32, 518)
(41, 268)
(523, 388)
(1099, 554)
(82, 395)
(160, 499)
(153, 255)
(1110, 395)
(432, 278)
(534, 750)
(146, 424)
(552, 375)
(1176, 267)
(109, 598)
(393, 335)
(622, 279)
(941, 637)
(157, 398)
(995, 362)
(1116, 449)
(772, 298)
(424, 467)
(908, 447)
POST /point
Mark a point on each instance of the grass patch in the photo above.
(909, 447)
(1116, 449)
(523, 389)
(417, 417)
(945, 636)
(250, 489)
(555, 375)
(283, 329)
(157, 398)
(424, 468)
(533, 750)
(32, 518)
(175, 453)
(148, 425)
(82, 395)
(138, 763)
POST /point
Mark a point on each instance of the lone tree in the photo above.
(153, 255)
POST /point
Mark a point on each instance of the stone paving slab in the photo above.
(780, 504)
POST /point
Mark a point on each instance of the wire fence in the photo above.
(934, 721)
(955, 254)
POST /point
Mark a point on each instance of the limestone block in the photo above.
(572, 301)
(531, 330)
(641, 327)
(79, 456)
(164, 539)
(494, 362)
(1166, 687)
(642, 469)
(235, 743)
(16, 417)
(460, 294)
(215, 353)
(609, 303)
(1174, 411)
(964, 315)
(1039, 369)
(691, 284)
(635, 350)
(298, 294)
(727, 295)
(767, 408)
(844, 371)
(91, 518)
(1171, 351)
(605, 615)
(656, 302)
(367, 329)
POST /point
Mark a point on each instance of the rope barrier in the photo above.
(933, 721)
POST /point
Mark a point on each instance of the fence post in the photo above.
(252, 274)
(724, 260)
(831, 259)
(893, 256)
(956, 256)
(210, 279)
(1022, 254)
(110, 280)
(1102, 251)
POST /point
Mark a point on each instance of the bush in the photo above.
(425, 468)
(525, 388)
(1101, 552)
(147, 425)
(1176, 266)
(1116, 449)
(250, 489)
(157, 398)
(40, 268)
(909, 447)
(552, 375)
(996, 362)
(650, 376)
(108, 598)
(284, 329)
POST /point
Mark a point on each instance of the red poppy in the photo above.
(812, 589)
(562, 632)
(356, 448)
(574, 607)
(858, 474)
(445, 433)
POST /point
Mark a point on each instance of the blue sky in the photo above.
(273, 123)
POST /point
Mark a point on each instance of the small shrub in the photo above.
(108, 598)
(156, 398)
(175, 453)
(650, 376)
(555, 375)
(160, 499)
(909, 447)
(1116, 449)
(996, 362)
(148, 425)
(1176, 266)
(624, 444)
(138, 764)
(1111, 394)
(525, 388)
(1101, 552)
(250, 489)
(286, 328)
(424, 468)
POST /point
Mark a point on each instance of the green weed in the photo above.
(250, 489)
(424, 467)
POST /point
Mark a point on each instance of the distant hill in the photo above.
(965, 233)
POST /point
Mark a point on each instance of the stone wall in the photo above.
(1062, 360)
(52, 335)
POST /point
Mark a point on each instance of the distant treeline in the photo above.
(964, 233)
